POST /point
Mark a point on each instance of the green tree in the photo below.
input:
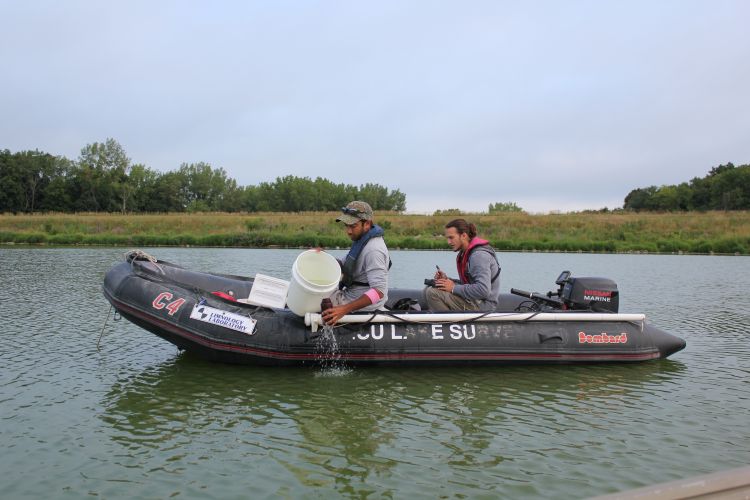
(249, 197)
(504, 207)
(140, 188)
(231, 198)
(639, 199)
(396, 201)
(99, 177)
(701, 193)
(25, 177)
(330, 196)
(293, 194)
(264, 198)
(730, 188)
(57, 196)
(665, 199)
(376, 195)
(54, 191)
(380, 198)
(725, 187)
(37, 169)
(203, 187)
(12, 195)
(102, 178)
(167, 194)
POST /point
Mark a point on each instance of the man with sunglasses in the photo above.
(364, 282)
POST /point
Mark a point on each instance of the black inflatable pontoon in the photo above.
(577, 324)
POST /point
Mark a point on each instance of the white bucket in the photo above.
(315, 275)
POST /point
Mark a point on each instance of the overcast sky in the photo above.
(560, 105)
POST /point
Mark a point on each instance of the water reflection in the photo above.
(345, 431)
(138, 419)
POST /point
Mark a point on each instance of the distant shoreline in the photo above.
(724, 233)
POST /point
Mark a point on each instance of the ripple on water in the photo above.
(139, 417)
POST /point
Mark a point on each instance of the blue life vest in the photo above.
(347, 269)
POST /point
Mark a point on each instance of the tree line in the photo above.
(103, 179)
(725, 187)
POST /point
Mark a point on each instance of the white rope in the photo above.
(139, 255)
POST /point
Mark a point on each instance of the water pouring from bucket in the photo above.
(315, 276)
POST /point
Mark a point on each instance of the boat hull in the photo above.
(176, 304)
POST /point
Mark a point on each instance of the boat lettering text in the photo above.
(172, 306)
(377, 332)
(597, 295)
(457, 331)
(602, 338)
(439, 332)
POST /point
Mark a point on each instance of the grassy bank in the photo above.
(707, 232)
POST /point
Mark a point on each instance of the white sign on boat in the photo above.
(244, 324)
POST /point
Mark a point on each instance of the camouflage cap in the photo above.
(355, 212)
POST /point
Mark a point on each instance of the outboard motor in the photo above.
(596, 294)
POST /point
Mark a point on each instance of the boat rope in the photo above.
(134, 255)
(528, 306)
(531, 314)
(139, 255)
(400, 318)
(314, 320)
(198, 293)
(103, 327)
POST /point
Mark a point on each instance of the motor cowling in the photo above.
(596, 294)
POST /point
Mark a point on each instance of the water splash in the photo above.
(328, 355)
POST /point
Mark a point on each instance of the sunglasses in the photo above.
(353, 211)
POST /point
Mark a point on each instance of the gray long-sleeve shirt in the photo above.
(480, 287)
(372, 268)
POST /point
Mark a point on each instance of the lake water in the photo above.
(139, 419)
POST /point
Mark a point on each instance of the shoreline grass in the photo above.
(619, 232)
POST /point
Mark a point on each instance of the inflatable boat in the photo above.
(200, 313)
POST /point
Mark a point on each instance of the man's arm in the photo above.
(376, 269)
(480, 268)
(334, 314)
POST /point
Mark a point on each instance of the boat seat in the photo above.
(398, 296)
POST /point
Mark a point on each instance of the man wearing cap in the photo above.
(364, 282)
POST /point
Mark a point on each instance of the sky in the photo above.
(552, 105)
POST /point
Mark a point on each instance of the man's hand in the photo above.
(445, 284)
(333, 314)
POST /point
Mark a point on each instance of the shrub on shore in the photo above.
(706, 232)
